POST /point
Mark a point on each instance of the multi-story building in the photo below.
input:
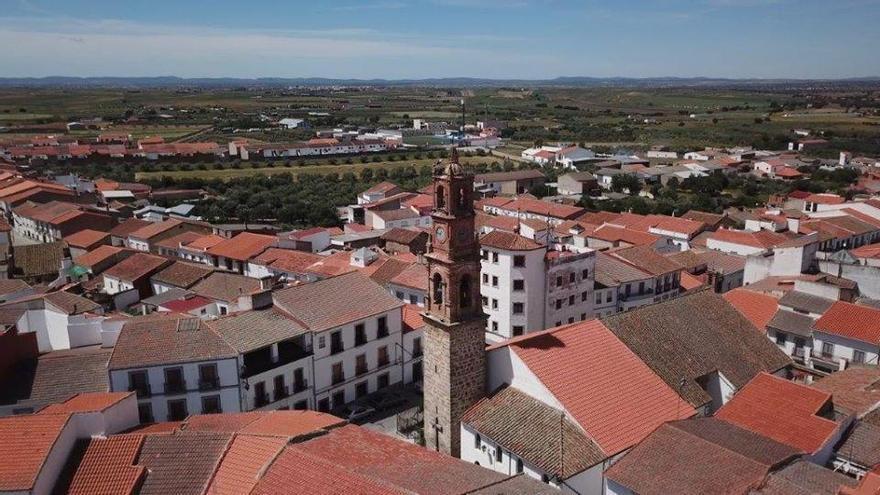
(357, 341)
(528, 286)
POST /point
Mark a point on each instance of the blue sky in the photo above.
(441, 38)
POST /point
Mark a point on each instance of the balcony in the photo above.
(338, 378)
(211, 384)
(382, 332)
(383, 361)
(175, 387)
(336, 348)
(300, 386)
(360, 340)
(360, 370)
(261, 361)
(417, 352)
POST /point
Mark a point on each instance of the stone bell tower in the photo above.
(455, 348)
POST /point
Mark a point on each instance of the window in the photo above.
(485, 301)
(139, 383)
(827, 349)
(497, 453)
(571, 300)
(145, 413)
(322, 342)
(417, 347)
(494, 326)
(177, 410)
(478, 442)
(557, 324)
(559, 281)
(494, 281)
(494, 257)
(519, 466)
(517, 330)
(336, 342)
(174, 382)
(382, 330)
(360, 390)
(208, 379)
(360, 366)
(641, 287)
(585, 274)
(559, 304)
(261, 398)
(519, 285)
(519, 261)
(211, 405)
(485, 278)
(324, 405)
(484, 254)
(299, 381)
(583, 316)
(858, 357)
(494, 303)
(338, 399)
(399, 295)
(598, 298)
(223, 310)
(518, 308)
(584, 296)
(608, 297)
(382, 356)
(383, 380)
(413, 299)
(571, 319)
(417, 371)
(338, 374)
(571, 277)
(360, 334)
(302, 405)
(781, 338)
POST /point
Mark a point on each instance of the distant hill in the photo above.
(455, 82)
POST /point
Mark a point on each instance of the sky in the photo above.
(394, 39)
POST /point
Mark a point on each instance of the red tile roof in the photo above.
(763, 239)
(782, 410)
(825, 199)
(205, 242)
(154, 229)
(539, 207)
(186, 305)
(854, 389)
(757, 307)
(86, 238)
(25, 443)
(243, 247)
(245, 461)
(287, 260)
(127, 227)
(415, 276)
(690, 282)
(605, 387)
(86, 402)
(108, 467)
(852, 321)
(97, 255)
(136, 266)
(412, 318)
(507, 241)
(611, 233)
(181, 239)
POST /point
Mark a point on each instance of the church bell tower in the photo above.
(455, 348)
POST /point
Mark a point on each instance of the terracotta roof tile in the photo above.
(245, 461)
(522, 425)
(97, 255)
(181, 463)
(204, 242)
(757, 307)
(136, 266)
(605, 387)
(34, 260)
(181, 239)
(87, 238)
(856, 389)
(319, 305)
(167, 339)
(287, 260)
(782, 410)
(86, 402)
(108, 467)
(147, 232)
(226, 287)
(852, 321)
(645, 258)
(412, 318)
(763, 239)
(181, 274)
(694, 335)
(25, 444)
(507, 241)
(243, 247)
(698, 456)
(803, 477)
(251, 330)
(414, 276)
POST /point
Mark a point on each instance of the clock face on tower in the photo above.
(440, 232)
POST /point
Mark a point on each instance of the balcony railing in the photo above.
(175, 387)
(417, 352)
(382, 332)
(300, 386)
(360, 370)
(212, 384)
(336, 348)
(360, 340)
(338, 378)
(383, 361)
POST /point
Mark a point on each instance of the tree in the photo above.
(626, 182)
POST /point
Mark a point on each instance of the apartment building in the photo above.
(528, 286)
